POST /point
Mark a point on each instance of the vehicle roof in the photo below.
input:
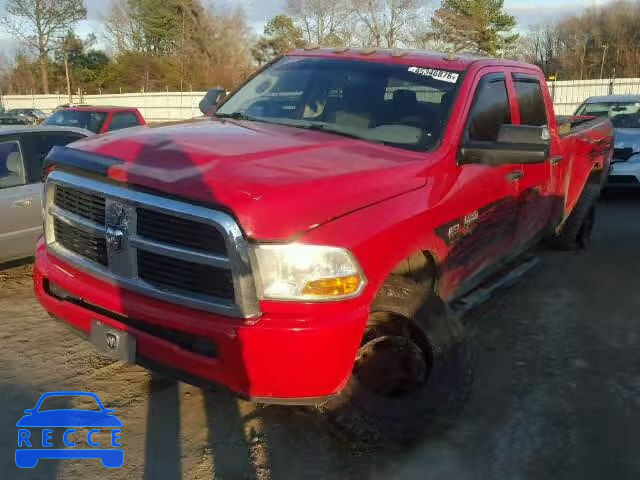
(101, 108)
(613, 99)
(407, 57)
(16, 129)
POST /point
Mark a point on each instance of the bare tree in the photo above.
(40, 24)
(323, 21)
(120, 27)
(388, 22)
(600, 39)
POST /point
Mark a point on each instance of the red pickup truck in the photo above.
(95, 118)
(305, 244)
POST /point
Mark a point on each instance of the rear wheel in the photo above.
(576, 232)
(412, 373)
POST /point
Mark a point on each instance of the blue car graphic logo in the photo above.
(29, 440)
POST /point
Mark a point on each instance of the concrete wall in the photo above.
(164, 106)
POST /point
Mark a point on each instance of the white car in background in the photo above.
(22, 152)
(624, 113)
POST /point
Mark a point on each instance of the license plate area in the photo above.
(114, 343)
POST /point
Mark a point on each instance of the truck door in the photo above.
(19, 204)
(535, 198)
(488, 194)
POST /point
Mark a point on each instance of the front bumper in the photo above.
(293, 353)
(624, 174)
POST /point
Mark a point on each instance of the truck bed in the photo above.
(570, 124)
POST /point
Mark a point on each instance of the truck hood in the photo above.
(278, 181)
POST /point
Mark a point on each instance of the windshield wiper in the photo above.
(324, 127)
(235, 116)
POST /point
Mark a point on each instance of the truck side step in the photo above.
(497, 282)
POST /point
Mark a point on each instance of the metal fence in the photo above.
(167, 106)
(568, 95)
(155, 107)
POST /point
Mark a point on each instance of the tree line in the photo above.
(600, 42)
(153, 45)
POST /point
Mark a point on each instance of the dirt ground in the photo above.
(557, 394)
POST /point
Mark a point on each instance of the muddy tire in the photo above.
(576, 232)
(412, 375)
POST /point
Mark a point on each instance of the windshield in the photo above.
(62, 402)
(399, 105)
(75, 118)
(621, 114)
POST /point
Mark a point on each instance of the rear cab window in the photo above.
(533, 111)
(123, 120)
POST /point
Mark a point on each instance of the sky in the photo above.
(527, 13)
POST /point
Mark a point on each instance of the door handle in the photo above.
(556, 159)
(515, 175)
(23, 202)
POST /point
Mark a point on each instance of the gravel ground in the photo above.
(557, 393)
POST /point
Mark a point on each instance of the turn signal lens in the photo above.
(333, 287)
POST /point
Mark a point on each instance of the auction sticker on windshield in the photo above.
(436, 74)
(92, 432)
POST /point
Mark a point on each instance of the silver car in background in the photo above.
(624, 113)
(22, 152)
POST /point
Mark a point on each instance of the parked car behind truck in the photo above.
(96, 119)
(624, 113)
(33, 115)
(303, 247)
(22, 152)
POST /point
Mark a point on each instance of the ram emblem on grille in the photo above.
(117, 220)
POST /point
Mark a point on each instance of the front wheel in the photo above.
(412, 375)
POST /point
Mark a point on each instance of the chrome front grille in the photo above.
(167, 249)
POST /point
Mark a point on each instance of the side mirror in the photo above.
(515, 144)
(211, 99)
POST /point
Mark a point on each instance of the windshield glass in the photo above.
(621, 114)
(61, 402)
(398, 105)
(75, 118)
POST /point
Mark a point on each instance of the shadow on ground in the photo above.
(14, 399)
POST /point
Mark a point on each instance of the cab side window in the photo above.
(533, 111)
(12, 172)
(123, 120)
(490, 109)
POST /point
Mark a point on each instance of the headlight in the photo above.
(307, 272)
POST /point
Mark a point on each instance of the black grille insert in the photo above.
(161, 271)
(85, 205)
(82, 243)
(181, 232)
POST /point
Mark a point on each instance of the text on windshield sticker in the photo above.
(442, 75)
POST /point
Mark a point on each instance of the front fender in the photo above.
(383, 235)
